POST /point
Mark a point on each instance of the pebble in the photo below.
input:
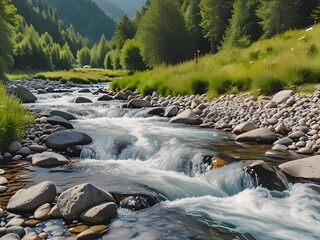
(2, 171)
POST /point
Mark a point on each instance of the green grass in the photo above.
(289, 60)
(79, 75)
(14, 118)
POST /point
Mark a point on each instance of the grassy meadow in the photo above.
(290, 60)
(13, 118)
(79, 75)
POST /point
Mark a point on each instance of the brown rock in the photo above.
(93, 233)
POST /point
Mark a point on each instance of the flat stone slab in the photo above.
(60, 141)
(260, 135)
(307, 168)
(31, 198)
(49, 159)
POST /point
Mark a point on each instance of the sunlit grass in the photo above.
(13, 118)
(285, 61)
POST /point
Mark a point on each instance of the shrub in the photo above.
(222, 86)
(199, 86)
(270, 85)
(14, 118)
(302, 75)
(243, 84)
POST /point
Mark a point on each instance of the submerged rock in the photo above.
(138, 202)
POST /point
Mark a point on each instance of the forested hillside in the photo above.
(86, 17)
(110, 8)
(129, 6)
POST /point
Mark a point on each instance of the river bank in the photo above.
(98, 112)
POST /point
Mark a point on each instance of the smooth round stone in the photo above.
(17, 230)
(78, 229)
(3, 189)
(300, 144)
(15, 222)
(305, 151)
(3, 231)
(31, 222)
(3, 181)
(280, 148)
(2, 171)
(38, 148)
(14, 147)
(1, 213)
(275, 155)
(42, 212)
(93, 232)
(17, 157)
(284, 141)
(11, 236)
(31, 236)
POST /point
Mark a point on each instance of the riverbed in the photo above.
(135, 153)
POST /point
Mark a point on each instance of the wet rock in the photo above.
(93, 232)
(78, 229)
(306, 168)
(31, 236)
(3, 231)
(138, 202)
(138, 103)
(1, 213)
(282, 96)
(171, 111)
(100, 214)
(24, 151)
(67, 116)
(17, 230)
(3, 181)
(296, 135)
(82, 100)
(3, 189)
(159, 111)
(57, 120)
(75, 200)
(275, 155)
(55, 212)
(105, 98)
(260, 135)
(31, 198)
(14, 147)
(84, 90)
(187, 117)
(280, 148)
(31, 222)
(49, 159)
(74, 151)
(305, 150)
(120, 96)
(24, 94)
(60, 141)
(88, 153)
(284, 141)
(244, 127)
(38, 148)
(264, 175)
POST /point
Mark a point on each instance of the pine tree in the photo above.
(278, 16)
(102, 49)
(162, 34)
(125, 29)
(83, 56)
(215, 19)
(244, 27)
(9, 20)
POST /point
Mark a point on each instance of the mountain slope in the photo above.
(130, 6)
(86, 17)
(111, 9)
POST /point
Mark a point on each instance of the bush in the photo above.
(14, 118)
(270, 85)
(222, 86)
(243, 84)
(199, 86)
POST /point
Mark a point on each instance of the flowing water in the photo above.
(139, 154)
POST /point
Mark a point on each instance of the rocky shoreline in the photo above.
(288, 121)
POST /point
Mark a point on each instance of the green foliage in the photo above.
(162, 34)
(277, 16)
(215, 18)
(14, 118)
(115, 59)
(303, 74)
(130, 57)
(199, 86)
(107, 61)
(244, 28)
(83, 56)
(270, 85)
(66, 58)
(8, 22)
(125, 29)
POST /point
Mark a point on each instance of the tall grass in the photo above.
(14, 118)
(288, 60)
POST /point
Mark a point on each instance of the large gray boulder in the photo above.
(282, 96)
(63, 114)
(186, 117)
(307, 168)
(60, 141)
(82, 100)
(156, 111)
(49, 159)
(139, 103)
(120, 96)
(57, 120)
(260, 135)
(171, 111)
(100, 214)
(75, 200)
(24, 94)
(244, 127)
(31, 198)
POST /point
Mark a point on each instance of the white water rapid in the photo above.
(136, 153)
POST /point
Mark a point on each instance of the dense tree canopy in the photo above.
(162, 33)
(8, 22)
